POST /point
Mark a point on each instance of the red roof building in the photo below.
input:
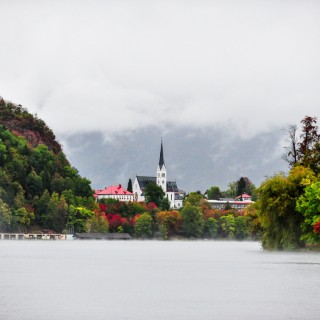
(114, 192)
(244, 197)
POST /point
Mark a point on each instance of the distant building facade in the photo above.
(170, 188)
(114, 192)
(238, 203)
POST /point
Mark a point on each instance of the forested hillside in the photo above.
(38, 186)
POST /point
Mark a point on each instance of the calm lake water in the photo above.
(140, 280)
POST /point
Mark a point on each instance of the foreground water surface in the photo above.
(156, 280)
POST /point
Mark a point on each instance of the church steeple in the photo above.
(161, 159)
(162, 171)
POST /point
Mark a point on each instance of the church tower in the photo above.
(162, 171)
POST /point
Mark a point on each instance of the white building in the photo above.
(114, 192)
(238, 203)
(169, 187)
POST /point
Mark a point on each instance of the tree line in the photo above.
(196, 219)
(39, 189)
(288, 205)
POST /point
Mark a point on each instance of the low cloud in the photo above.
(118, 66)
(195, 158)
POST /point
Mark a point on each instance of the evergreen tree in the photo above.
(154, 193)
(165, 204)
(241, 186)
(129, 188)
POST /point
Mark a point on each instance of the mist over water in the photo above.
(156, 280)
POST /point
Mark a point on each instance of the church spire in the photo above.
(161, 159)
(162, 171)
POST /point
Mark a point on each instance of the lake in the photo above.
(153, 280)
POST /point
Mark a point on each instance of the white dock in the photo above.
(32, 236)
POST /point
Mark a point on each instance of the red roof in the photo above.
(114, 190)
(244, 195)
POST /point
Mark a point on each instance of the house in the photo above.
(170, 188)
(114, 192)
(238, 203)
(244, 197)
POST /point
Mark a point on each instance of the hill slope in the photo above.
(37, 184)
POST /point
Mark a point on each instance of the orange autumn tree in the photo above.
(169, 222)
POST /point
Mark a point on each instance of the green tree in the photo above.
(277, 208)
(214, 193)
(227, 224)
(41, 206)
(241, 186)
(192, 220)
(241, 229)
(97, 224)
(19, 199)
(82, 187)
(69, 196)
(309, 205)
(34, 184)
(231, 192)
(153, 193)
(126, 210)
(254, 226)
(55, 216)
(165, 204)
(5, 217)
(193, 198)
(77, 218)
(42, 159)
(22, 219)
(143, 226)
(129, 188)
(3, 153)
(164, 231)
(211, 227)
(244, 185)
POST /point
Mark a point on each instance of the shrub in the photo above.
(241, 231)
(143, 226)
(211, 227)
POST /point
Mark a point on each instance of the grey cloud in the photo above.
(121, 65)
(218, 79)
(195, 158)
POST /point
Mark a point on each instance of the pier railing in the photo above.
(32, 236)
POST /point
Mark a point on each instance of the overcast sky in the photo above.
(116, 67)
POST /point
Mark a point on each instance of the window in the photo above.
(163, 174)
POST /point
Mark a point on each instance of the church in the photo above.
(169, 187)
